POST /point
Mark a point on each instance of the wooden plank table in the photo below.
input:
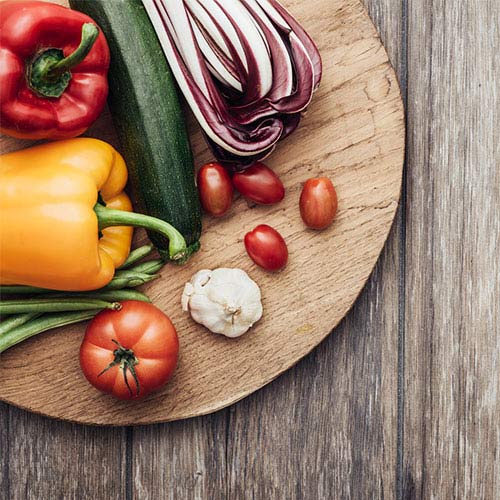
(402, 400)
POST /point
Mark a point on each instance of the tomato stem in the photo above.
(127, 360)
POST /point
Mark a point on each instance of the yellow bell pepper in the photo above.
(54, 232)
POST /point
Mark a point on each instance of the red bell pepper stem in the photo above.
(49, 73)
(90, 32)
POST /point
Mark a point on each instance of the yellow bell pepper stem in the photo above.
(107, 217)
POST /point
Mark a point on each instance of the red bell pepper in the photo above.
(53, 70)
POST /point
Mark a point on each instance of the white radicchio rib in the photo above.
(246, 68)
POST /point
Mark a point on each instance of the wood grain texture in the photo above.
(328, 427)
(41, 460)
(187, 459)
(4, 450)
(354, 133)
(452, 350)
(325, 429)
(334, 428)
(443, 251)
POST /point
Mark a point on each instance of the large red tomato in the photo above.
(130, 352)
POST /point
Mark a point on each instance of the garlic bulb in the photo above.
(226, 301)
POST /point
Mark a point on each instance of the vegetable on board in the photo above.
(50, 304)
(124, 278)
(259, 184)
(246, 67)
(53, 81)
(226, 301)
(52, 216)
(131, 352)
(267, 248)
(69, 301)
(215, 188)
(148, 118)
(71, 307)
(318, 203)
(33, 325)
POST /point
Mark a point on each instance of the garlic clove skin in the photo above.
(226, 301)
(186, 295)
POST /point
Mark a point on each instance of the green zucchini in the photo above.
(148, 118)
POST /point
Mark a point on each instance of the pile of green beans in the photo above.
(26, 311)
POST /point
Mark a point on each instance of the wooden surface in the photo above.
(353, 132)
(402, 400)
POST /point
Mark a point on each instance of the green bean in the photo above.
(149, 267)
(107, 299)
(21, 290)
(124, 279)
(127, 278)
(112, 295)
(44, 305)
(15, 321)
(136, 255)
(42, 324)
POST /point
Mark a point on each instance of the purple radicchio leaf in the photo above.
(246, 68)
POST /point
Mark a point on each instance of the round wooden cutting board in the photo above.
(353, 133)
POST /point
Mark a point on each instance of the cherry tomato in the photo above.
(318, 203)
(259, 184)
(215, 188)
(267, 248)
(130, 352)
